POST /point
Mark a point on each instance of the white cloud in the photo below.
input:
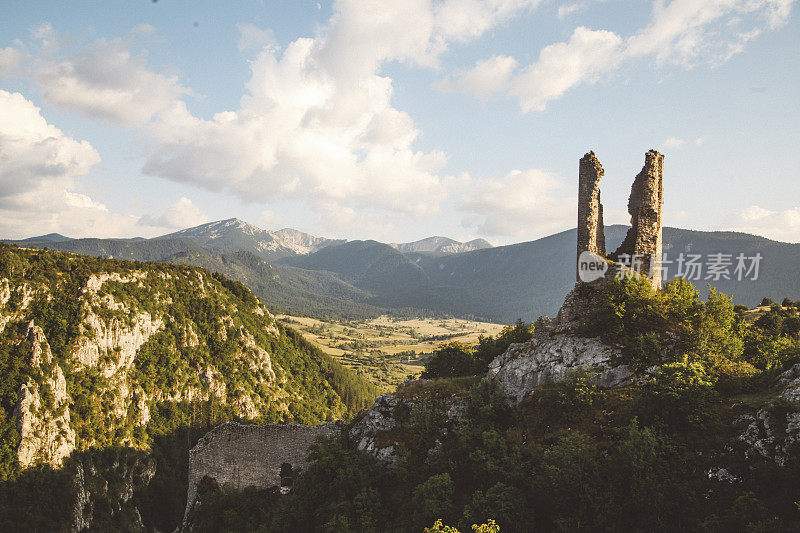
(583, 59)
(317, 122)
(565, 10)
(688, 32)
(676, 143)
(268, 219)
(672, 143)
(680, 32)
(486, 78)
(39, 166)
(182, 214)
(251, 36)
(568, 9)
(778, 225)
(522, 204)
(104, 79)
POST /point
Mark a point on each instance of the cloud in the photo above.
(486, 78)
(182, 214)
(681, 32)
(672, 143)
(583, 59)
(522, 204)
(317, 122)
(103, 79)
(566, 10)
(675, 143)
(688, 32)
(778, 225)
(40, 166)
(268, 219)
(254, 37)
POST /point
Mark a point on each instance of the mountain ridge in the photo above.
(359, 279)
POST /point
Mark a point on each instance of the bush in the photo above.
(450, 360)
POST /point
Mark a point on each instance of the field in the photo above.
(387, 350)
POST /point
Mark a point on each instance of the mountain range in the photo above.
(298, 273)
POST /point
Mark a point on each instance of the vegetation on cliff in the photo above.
(152, 355)
(674, 452)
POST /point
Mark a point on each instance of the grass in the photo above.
(388, 350)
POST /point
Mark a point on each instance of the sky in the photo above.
(394, 121)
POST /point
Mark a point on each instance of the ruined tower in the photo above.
(591, 235)
(642, 246)
(644, 238)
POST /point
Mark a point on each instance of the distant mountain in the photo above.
(442, 245)
(50, 237)
(288, 289)
(530, 279)
(299, 273)
(131, 249)
(234, 235)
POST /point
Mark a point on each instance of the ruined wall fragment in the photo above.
(239, 455)
(644, 238)
(591, 235)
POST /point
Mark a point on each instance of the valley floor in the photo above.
(387, 350)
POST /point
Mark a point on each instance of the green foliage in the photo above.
(455, 359)
(450, 360)
(209, 322)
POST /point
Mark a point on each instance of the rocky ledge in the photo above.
(539, 361)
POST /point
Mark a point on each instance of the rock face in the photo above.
(42, 413)
(543, 360)
(375, 430)
(773, 434)
(242, 456)
(591, 233)
(644, 238)
(105, 485)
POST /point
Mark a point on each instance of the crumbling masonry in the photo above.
(590, 211)
(239, 456)
(644, 238)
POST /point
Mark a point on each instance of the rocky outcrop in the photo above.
(377, 430)
(644, 239)
(120, 338)
(240, 456)
(773, 433)
(42, 413)
(105, 484)
(540, 361)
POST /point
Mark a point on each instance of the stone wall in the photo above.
(591, 234)
(644, 238)
(242, 455)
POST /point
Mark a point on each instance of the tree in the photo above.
(452, 360)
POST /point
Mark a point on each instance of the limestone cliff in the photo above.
(92, 346)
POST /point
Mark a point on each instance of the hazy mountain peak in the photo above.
(50, 237)
(441, 244)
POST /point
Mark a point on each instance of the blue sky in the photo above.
(394, 120)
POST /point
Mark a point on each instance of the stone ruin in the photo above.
(239, 455)
(644, 238)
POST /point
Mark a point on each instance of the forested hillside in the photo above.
(100, 354)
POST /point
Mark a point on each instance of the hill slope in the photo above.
(114, 340)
